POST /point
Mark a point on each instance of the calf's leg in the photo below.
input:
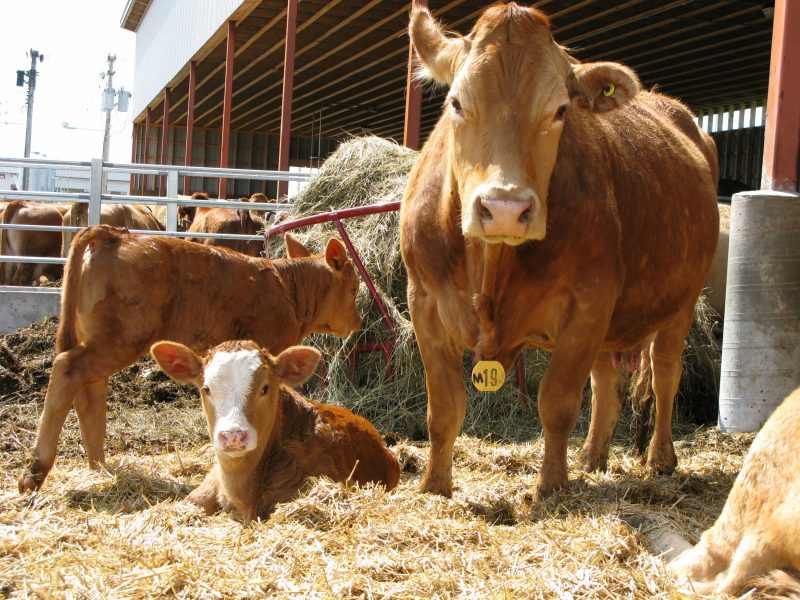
(605, 412)
(90, 404)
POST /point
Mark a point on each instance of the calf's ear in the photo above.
(296, 364)
(335, 254)
(294, 248)
(602, 86)
(177, 361)
(438, 54)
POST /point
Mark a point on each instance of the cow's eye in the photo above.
(354, 291)
(456, 106)
(562, 110)
(265, 389)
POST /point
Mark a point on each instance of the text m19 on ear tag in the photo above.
(488, 376)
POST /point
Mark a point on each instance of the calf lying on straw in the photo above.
(268, 439)
(759, 528)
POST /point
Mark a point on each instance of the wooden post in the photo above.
(286, 102)
(148, 123)
(190, 123)
(162, 181)
(782, 136)
(413, 97)
(226, 106)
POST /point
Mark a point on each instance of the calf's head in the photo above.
(511, 91)
(337, 313)
(239, 383)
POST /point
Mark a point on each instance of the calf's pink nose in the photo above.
(233, 439)
(505, 216)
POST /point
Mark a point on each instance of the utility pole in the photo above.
(29, 125)
(109, 93)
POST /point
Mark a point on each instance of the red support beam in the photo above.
(286, 103)
(782, 137)
(162, 185)
(190, 123)
(226, 106)
(134, 136)
(413, 97)
(148, 123)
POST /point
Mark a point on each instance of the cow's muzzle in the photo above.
(507, 217)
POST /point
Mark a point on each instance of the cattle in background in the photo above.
(129, 216)
(238, 221)
(30, 243)
(123, 292)
(716, 280)
(759, 527)
(554, 205)
(267, 438)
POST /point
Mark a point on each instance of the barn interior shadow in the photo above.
(131, 490)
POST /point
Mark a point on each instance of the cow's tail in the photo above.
(641, 394)
(67, 337)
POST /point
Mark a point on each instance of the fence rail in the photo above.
(95, 198)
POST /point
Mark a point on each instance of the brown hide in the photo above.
(631, 226)
(759, 527)
(30, 243)
(123, 292)
(297, 438)
(129, 216)
(716, 280)
(227, 220)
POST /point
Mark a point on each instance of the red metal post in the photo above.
(286, 103)
(162, 185)
(134, 139)
(782, 137)
(226, 106)
(190, 123)
(413, 97)
(148, 122)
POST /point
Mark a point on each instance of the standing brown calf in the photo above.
(268, 439)
(30, 243)
(227, 220)
(123, 292)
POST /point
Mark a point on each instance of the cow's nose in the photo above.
(233, 439)
(505, 216)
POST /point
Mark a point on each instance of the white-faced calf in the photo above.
(268, 439)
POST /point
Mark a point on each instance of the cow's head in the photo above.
(336, 312)
(239, 383)
(511, 91)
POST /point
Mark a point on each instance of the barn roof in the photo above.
(351, 56)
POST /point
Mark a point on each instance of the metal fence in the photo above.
(95, 198)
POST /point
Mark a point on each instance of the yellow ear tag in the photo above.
(488, 376)
(608, 91)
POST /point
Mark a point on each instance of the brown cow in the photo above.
(759, 528)
(129, 216)
(123, 292)
(269, 439)
(227, 220)
(554, 205)
(30, 243)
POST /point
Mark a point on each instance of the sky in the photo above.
(75, 37)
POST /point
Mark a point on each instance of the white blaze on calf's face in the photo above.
(228, 382)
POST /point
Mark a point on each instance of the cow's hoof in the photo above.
(203, 499)
(29, 482)
(593, 461)
(431, 485)
(545, 489)
(662, 462)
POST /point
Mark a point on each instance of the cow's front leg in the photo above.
(561, 391)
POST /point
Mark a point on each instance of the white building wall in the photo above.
(170, 33)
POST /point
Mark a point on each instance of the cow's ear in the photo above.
(296, 364)
(335, 254)
(602, 86)
(439, 55)
(178, 361)
(294, 248)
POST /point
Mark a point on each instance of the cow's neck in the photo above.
(306, 283)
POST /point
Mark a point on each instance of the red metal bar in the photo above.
(190, 124)
(134, 139)
(782, 137)
(148, 123)
(226, 106)
(357, 211)
(286, 102)
(411, 138)
(165, 160)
